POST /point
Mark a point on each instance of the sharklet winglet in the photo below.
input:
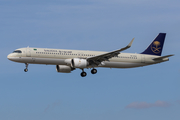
(129, 45)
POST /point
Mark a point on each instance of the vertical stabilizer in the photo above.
(156, 47)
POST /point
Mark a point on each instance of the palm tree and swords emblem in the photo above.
(155, 47)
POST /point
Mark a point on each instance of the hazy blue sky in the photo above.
(146, 93)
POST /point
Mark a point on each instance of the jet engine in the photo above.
(79, 63)
(63, 69)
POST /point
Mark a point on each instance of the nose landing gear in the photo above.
(26, 69)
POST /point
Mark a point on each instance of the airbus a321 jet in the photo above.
(69, 60)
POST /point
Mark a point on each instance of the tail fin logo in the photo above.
(155, 47)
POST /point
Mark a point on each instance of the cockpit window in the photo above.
(17, 51)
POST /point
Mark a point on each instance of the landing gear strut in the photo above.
(83, 74)
(93, 71)
(26, 69)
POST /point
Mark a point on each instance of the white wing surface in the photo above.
(96, 60)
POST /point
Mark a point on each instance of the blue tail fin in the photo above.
(156, 47)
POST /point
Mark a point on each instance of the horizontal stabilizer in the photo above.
(161, 58)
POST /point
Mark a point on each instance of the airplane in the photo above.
(69, 60)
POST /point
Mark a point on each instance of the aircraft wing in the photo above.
(96, 60)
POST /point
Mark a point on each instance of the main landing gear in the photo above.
(93, 71)
(26, 69)
(83, 74)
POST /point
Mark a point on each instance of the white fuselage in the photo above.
(63, 57)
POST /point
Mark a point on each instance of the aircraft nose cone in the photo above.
(9, 57)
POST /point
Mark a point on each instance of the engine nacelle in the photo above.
(79, 63)
(63, 69)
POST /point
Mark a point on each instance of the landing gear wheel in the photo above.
(93, 71)
(25, 70)
(83, 74)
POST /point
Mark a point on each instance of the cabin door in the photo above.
(28, 52)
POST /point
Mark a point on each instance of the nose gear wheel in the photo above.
(26, 69)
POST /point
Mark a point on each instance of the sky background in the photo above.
(145, 93)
